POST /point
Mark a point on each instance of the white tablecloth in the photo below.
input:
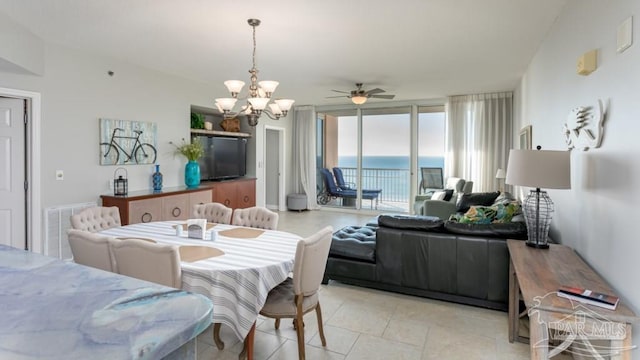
(237, 282)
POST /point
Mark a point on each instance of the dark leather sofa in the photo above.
(425, 256)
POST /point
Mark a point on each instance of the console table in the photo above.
(534, 277)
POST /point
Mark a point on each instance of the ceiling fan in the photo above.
(359, 96)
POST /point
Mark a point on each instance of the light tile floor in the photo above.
(361, 323)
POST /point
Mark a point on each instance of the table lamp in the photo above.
(539, 169)
(500, 175)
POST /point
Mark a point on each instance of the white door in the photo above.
(272, 169)
(12, 173)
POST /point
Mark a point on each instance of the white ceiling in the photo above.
(415, 49)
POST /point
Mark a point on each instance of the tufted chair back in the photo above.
(91, 249)
(96, 219)
(141, 259)
(213, 212)
(255, 217)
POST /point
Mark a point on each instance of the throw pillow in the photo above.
(438, 195)
(506, 212)
(478, 215)
(476, 199)
(448, 194)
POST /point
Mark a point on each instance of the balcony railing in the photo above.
(393, 182)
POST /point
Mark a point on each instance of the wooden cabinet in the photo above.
(170, 204)
(236, 194)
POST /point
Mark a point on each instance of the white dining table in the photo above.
(238, 281)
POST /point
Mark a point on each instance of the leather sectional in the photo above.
(425, 256)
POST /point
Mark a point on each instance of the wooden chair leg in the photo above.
(277, 323)
(300, 333)
(320, 327)
(216, 336)
(247, 349)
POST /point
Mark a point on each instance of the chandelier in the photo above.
(258, 97)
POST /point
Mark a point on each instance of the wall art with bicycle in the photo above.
(124, 142)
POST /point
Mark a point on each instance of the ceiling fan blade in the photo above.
(375, 91)
(340, 91)
(339, 96)
(382, 96)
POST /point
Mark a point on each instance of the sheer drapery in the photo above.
(304, 153)
(479, 137)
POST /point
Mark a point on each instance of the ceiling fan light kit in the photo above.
(359, 99)
(360, 96)
(258, 97)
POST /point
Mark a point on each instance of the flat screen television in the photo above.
(224, 157)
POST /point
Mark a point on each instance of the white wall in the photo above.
(598, 215)
(77, 91)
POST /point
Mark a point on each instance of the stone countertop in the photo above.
(51, 309)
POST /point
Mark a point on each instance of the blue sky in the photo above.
(388, 135)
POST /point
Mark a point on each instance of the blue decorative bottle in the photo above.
(157, 179)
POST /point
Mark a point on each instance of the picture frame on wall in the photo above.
(525, 138)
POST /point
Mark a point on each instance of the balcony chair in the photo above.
(145, 260)
(332, 191)
(337, 172)
(91, 249)
(431, 179)
(213, 212)
(298, 295)
(96, 219)
(256, 217)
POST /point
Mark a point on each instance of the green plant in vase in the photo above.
(197, 121)
(192, 151)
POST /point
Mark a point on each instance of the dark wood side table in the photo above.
(534, 277)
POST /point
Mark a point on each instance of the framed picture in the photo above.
(124, 142)
(525, 138)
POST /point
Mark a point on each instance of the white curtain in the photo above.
(304, 153)
(479, 137)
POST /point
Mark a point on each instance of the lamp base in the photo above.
(537, 246)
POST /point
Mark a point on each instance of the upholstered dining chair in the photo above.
(213, 212)
(144, 260)
(299, 295)
(256, 217)
(96, 219)
(91, 250)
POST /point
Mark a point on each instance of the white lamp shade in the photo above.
(226, 103)
(547, 169)
(258, 103)
(234, 86)
(359, 100)
(275, 109)
(285, 104)
(500, 174)
(268, 86)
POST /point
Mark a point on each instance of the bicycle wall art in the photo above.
(124, 142)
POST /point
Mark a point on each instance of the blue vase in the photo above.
(157, 179)
(192, 174)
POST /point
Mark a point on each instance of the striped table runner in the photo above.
(237, 282)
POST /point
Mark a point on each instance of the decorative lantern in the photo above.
(120, 186)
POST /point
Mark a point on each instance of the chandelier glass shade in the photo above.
(258, 99)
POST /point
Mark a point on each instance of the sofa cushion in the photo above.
(512, 230)
(482, 199)
(408, 222)
(354, 242)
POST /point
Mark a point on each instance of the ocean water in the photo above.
(389, 162)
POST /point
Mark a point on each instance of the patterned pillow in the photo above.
(499, 213)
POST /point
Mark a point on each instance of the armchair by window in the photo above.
(424, 205)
